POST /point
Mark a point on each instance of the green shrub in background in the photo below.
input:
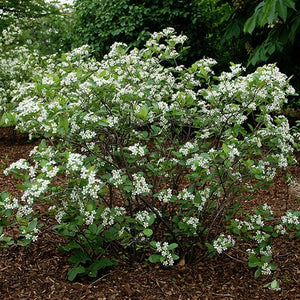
(29, 31)
(102, 22)
(44, 26)
(268, 31)
(252, 32)
(146, 160)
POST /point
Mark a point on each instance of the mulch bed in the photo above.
(39, 270)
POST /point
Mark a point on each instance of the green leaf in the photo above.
(250, 24)
(295, 23)
(172, 246)
(175, 256)
(274, 284)
(144, 111)
(253, 261)
(290, 3)
(273, 266)
(79, 257)
(153, 244)
(32, 224)
(64, 123)
(7, 119)
(225, 149)
(154, 258)
(111, 234)
(270, 15)
(268, 229)
(282, 9)
(99, 264)
(210, 247)
(75, 271)
(148, 232)
(72, 245)
(257, 273)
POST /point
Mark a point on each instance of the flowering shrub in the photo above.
(16, 65)
(146, 158)
(29, 31)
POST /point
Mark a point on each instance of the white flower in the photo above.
(75, 161)
(140, 185)
(165, 196)
(186, 195)
(136, 149)
(267, 207)
(21, 164)
(89, 217)
(266, 269)
(162, 248)
(267, 251)
(256, 219)
(116, 178)
(191, 221)
(112, 121)
(143, 217)
(186, 148)
(222, 243)
(290, 218)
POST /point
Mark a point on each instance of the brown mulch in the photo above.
(39, 271)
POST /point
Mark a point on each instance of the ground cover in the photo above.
(40, 270)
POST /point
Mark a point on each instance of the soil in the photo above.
(39, 270)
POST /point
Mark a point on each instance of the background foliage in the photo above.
(102, 22)
(268, 31)
(45, 26)
(248, 32)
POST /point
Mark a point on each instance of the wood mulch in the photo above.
(39, 270)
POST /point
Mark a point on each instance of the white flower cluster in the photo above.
(199, 161)
(240, 224)
(268, 208)
(186, 195)
(93, 185)
(108, 218)
(191, 221)
(162, 248)
(267, 251)
(165, 50)
(257, 220)
(290, 218)
(186, 148)
(206, 64)
(165, 195)
(140, 185)
(37, 188)
(116, 178)
(87, 134)
(75, 162)
(21, 164)
(59, 216)
(24, 210)
(109, 214)
(233, 152)
(136, 149)
(260, 236)
(33, 235)
(266, 269)
(280, 229)
(10, 204)
(143, 217)
(204, 196)
(89, 217)
(112, 121)
(222, 243)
